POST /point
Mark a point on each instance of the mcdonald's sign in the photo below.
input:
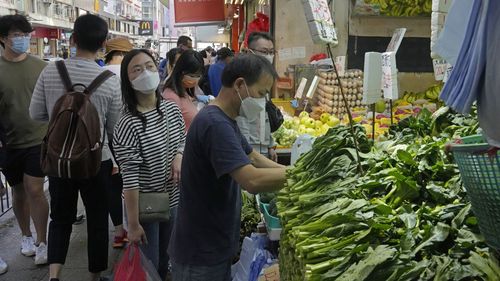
(145, 27)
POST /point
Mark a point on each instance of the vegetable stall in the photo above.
(406, 218)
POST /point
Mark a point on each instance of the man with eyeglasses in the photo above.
(19, 72)
(258, 130)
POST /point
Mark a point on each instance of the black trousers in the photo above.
(63, 208)
(114, 191)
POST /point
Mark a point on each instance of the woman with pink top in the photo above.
(182, 84)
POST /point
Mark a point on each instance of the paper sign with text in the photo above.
(389, 76)
(440, 67)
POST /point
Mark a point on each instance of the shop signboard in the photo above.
(146, 28)
(198, 12)
(43, 32)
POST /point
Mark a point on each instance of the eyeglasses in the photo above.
(19, 35)
(263, 51)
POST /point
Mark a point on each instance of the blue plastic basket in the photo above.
(480, 172)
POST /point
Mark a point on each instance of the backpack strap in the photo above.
(105, 75)
(63, 72)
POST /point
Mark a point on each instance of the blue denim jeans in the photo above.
(158, 236)
(218, 272)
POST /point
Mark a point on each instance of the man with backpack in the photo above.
(83, 109)
(18, 74)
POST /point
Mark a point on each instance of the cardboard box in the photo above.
(271, 273)
(442, 6)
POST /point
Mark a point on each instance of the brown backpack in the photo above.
(72, 147)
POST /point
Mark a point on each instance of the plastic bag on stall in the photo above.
(135, 266)
(261, 259)
(251, 248)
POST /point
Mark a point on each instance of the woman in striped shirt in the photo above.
(149, 142)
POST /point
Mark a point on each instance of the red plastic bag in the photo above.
(130, 267)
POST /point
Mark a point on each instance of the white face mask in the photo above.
(251, 107)
(270, 58)
(147, 82)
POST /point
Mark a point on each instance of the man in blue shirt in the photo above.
(224, 56)
(217, 162)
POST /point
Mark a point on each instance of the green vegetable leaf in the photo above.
(439, 233)
(362, 270)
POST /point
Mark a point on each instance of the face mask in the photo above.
(21, 44)
(72, 52)
(188, 82)
(251, 107)
(270, 58)
(147, 82)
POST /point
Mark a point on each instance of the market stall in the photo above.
(378, 195)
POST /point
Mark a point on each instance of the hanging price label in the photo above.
(340, 64)
(440, 68)
(389, 76)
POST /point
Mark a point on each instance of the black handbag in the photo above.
(274, 114)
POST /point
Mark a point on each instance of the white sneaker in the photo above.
(3, 266)
(41, 254)
(28, 247)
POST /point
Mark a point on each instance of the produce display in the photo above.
(328, 97)
(303, 124)
(402, 8)
(250, 216)
(405, 218)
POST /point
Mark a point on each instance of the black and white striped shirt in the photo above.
(145, 155)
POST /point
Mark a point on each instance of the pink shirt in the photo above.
(186, 104)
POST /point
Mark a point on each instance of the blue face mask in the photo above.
(72, 52)
(21, 44)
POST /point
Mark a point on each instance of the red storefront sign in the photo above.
(43, 32)
(198, 12)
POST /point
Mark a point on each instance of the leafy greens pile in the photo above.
(405, 218)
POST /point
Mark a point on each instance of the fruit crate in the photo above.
(273, 224)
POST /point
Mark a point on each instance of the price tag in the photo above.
(389, 76)
(397, 38)
(300, 89)
(340, 64)
(440, 68)
(372, 78)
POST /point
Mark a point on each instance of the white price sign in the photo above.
(440, 68)
(340, 64)
(389, 76)
(372, 78)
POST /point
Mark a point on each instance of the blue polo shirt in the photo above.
(215, 77)
(207, 226)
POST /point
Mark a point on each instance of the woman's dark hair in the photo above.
(247, 66)
(13, 22)
(171, 55)
(190, 62)
(109, 56)
(128, 92)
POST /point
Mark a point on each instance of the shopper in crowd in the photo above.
(90, 32)
(3, 190)
(116, 49)
(224, 56)
(185, 43)
(19, 72)
(149, 143)
(217, 160)
(258, 130)
(181, 85)
(172, 57)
